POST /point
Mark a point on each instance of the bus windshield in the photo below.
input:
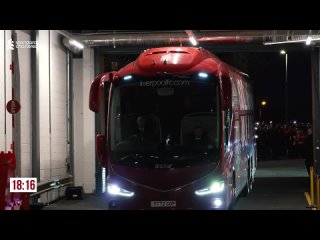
(164, 122)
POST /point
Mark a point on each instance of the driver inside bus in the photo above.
(141, 133)
(141, 122)
(198, 138)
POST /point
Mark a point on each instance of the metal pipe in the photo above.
(49, 189)
(113, 38)
(70, 36)
(169, 41)
(47, 186)
(143, 38)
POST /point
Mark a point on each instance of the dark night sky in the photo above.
(270, 85)
(267, 72)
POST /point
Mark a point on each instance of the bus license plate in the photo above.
(163, 203)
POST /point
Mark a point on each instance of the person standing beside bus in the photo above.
(308, 150)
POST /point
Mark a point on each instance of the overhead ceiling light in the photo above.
(308, 41)
(193, 41)
(191, 37)
(75, 43)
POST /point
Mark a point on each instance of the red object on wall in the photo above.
(13, 106)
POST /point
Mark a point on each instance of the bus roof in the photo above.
(176, 60)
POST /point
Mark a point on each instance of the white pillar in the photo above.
(44, 106)
(77, 76)
(84, 123)
(58, 88)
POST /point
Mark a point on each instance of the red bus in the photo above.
(176, 131)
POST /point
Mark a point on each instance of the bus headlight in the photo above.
(116, 190)
(215, 187)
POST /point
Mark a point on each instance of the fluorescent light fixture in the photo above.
(128, 77)
(308, 41)
(292, 41)
(193, 41)
(216, 187)
(191, 37)
(115, 190)
(76, 44)
(203, 74)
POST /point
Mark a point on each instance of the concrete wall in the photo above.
(52, 84)
(88, 122)
(58, 76)
(2, 92)
(23, 93)
(40, 86)
(44, 104)
(77, 73)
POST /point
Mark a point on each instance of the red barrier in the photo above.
(10, 201)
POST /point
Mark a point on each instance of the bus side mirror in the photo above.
(94, 95)
(101, 149)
